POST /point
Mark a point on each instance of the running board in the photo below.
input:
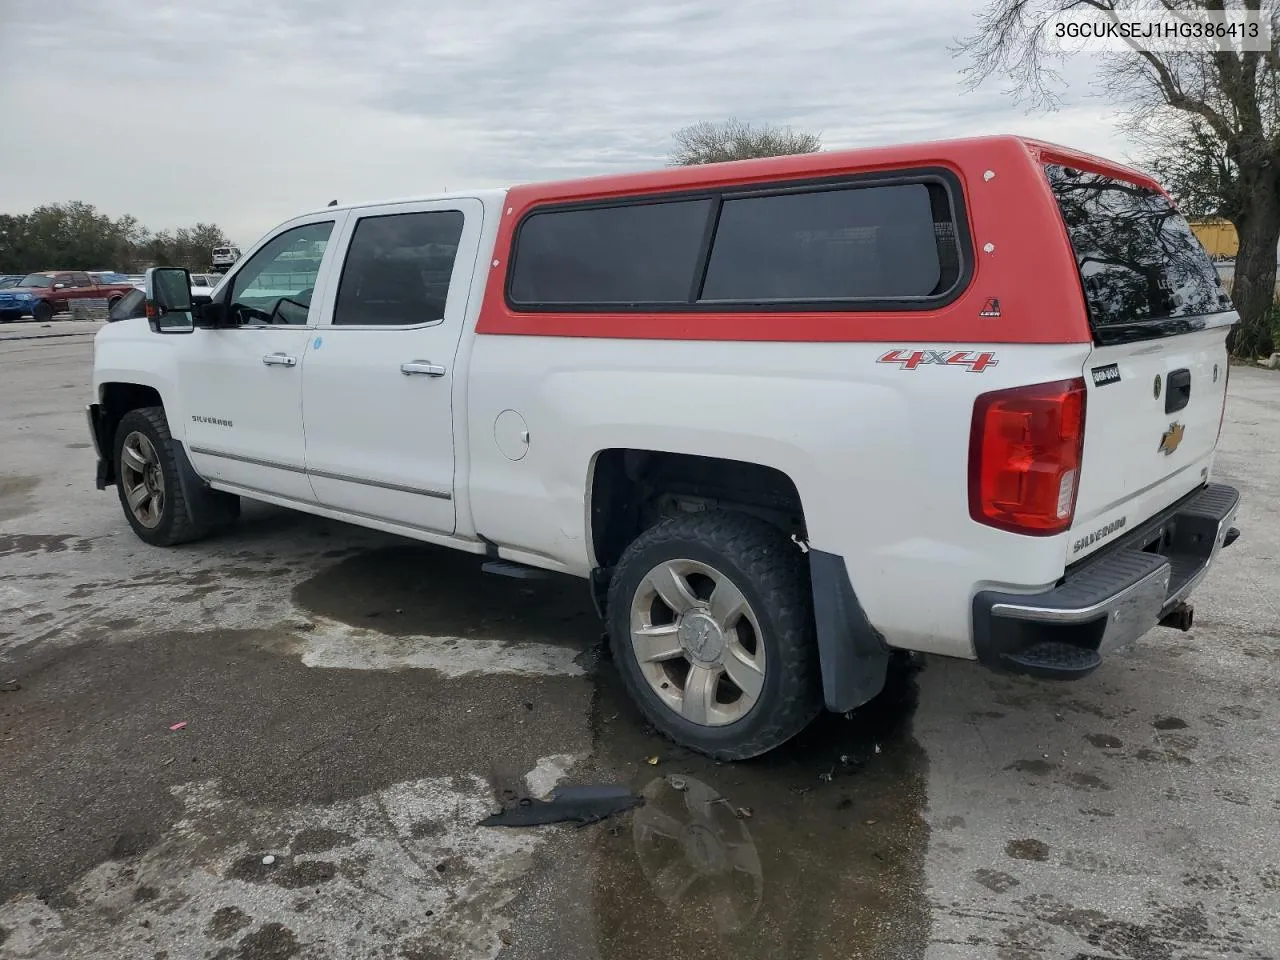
(509, 568)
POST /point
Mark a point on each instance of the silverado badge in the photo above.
(1171, 438)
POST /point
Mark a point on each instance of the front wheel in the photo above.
(43, 311)
(152, 494)
(711, 625)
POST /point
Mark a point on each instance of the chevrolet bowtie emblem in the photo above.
(1171, 438)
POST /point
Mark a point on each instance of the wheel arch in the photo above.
(115, 399)
(628, 490)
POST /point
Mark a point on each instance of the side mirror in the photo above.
(59, 286)
(169, 306)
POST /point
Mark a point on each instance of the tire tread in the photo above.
(184, 525)
(777, 569)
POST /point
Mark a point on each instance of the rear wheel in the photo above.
(711, 626)
(43, 311)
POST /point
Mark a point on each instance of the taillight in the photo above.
(1222, 414)
(1024, 457)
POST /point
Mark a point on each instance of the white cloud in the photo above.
(246, 113)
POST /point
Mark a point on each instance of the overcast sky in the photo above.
(247, 112)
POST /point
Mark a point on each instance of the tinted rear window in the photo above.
(637, 253)
(1142, 268)
(853, 246)
(866, 243)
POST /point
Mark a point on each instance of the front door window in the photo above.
(275, 285)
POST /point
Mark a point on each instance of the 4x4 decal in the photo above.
(910, 359)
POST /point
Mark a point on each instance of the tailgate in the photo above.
(1157, 375)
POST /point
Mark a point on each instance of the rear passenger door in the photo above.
(377, 387)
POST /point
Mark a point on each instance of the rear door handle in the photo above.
(279, 360)
(421, 368)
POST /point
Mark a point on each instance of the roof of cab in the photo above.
(493, 194)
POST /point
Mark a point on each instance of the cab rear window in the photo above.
(1143, 271)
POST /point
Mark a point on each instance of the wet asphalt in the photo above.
(354, 704)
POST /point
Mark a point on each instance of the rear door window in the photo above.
(1143, 271)
(398, 269)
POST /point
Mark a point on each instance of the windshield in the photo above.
(36, 280)
(1143, 271)
(132, 304)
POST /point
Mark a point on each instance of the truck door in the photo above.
(377, 388)
(241, 384)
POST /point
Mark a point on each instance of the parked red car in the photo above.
(41, 295)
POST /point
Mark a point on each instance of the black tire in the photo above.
(182, 518)
(112, 301)
(43, 311)
(770, 571)
(9, 317)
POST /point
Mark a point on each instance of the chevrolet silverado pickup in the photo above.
(782, 416)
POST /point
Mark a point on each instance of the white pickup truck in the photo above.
(784, 416)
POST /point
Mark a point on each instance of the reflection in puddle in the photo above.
(697, 853)
(811, 852)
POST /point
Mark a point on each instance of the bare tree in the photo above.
(1221, 105)
(733, 139)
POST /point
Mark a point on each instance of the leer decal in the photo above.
(1105, 375)
(991, 308)
(910, 359)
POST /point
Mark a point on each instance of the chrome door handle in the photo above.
(279, 360)
(422, 368)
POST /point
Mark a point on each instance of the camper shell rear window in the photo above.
(1143, 272)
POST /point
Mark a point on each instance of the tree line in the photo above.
(76, 236)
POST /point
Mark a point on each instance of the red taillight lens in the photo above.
(1024, 457)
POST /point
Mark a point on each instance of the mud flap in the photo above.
(205, 506)
(854, 656)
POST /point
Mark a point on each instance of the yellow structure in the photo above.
(1217, 236)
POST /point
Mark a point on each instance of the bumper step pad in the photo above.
(1054, 661)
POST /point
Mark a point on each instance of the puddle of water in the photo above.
(815, 850)
(432, 591)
